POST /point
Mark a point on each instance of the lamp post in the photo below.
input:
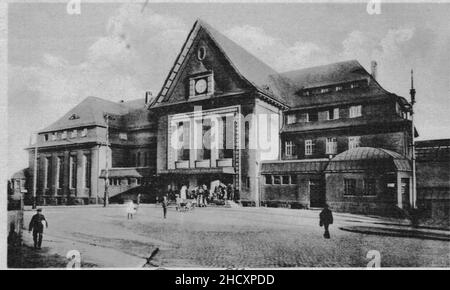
(108, 145)
(35, 174)
(106, 196)
(412, 93)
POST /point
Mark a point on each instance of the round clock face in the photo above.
(200, 86)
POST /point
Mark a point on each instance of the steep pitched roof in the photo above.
(89, 112)
(328, 74)
(246, 65)
(282, 87)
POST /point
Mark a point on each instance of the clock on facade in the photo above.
(200, 86)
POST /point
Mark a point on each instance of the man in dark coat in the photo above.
(165, 203)
(37, 225)
(326, 219)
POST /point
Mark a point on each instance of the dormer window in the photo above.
(201, 85)
(354, 85)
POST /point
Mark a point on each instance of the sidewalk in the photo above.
(400, 231)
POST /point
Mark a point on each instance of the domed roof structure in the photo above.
(364, 158)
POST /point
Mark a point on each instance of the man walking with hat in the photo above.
(37, 225)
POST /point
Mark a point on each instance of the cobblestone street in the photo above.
(226, 237)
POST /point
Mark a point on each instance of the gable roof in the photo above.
(324, 75)
(90, 112)
(329, 75)
(282, 87)
(250, 68)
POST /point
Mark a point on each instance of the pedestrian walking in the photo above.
(131, 209)
(165, 203)
(326, 219)
(138, 199)
(37, 226)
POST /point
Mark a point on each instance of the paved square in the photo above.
(226, 237)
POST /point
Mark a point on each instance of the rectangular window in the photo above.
(289, 148)
(123, 136)
(84, 132)
(276, 179)
(369, 187)
(338, 88)
(138, 159)
(293, 179)
(227, 138)
(145, 159)
(285, 179)
(46, 137)
(48, 172)
(60, 171)
(331, 146)
(309, 147)
(303, 117)
(54, 136)
(332, 114)
(324, 90)
(87, 171)
(291, 119)
(74, 134)
(73, 172)
(350, 186)
(313, 116)
(354, 142)
(335, 113)
(355, 111)
(64, 135)
(268, 179)
(206, 139)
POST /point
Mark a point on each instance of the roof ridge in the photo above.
(323, 65)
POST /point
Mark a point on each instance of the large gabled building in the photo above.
(302, 138)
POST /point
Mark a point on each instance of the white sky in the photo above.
(117, 51)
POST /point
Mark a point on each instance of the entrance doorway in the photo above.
(316, 193)
(405, 193)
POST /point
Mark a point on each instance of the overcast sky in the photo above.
(117, 51)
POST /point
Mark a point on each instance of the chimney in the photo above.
(148, 97)
(373, 69)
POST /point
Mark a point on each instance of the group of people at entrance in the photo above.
(201, 195)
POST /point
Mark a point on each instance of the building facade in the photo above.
(328, 134)
(95, 135)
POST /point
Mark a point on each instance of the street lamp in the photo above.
(412, 93)
(106, 195)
